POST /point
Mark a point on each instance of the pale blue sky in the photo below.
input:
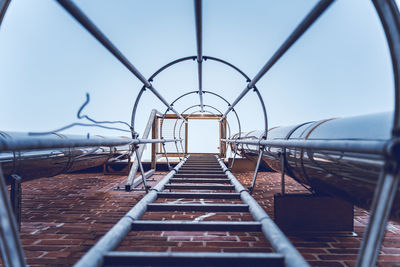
(340, 67)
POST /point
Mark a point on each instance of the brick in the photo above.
(215, 238)
(180, 238)
(58, 254)
(337, 257)
(43, 248)
(175, 233)
(346, 245)
(248, 238)
(61, 242)
(312, 250)
(64, 215)
(191, 244)
(311, 245)
(264, 250)
(343, 251)
(227, 244)
(34, 254)
(326, 264)
(389, 258)
(196, 249)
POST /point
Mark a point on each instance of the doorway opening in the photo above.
(203, 136)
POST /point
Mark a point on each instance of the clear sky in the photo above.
(340, 67)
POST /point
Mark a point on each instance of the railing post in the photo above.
(16, 198)
(10, 244)
(283, 161)
(260, 155)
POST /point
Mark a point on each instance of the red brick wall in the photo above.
(64, 216)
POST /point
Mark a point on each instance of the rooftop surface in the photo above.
(63, 216)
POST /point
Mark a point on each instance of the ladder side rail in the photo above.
(275, 236)
(95, 256)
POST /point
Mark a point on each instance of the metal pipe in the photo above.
(3, 8)
(142, 171)
(339, 157)
(117, 233)
(199, 42)
(16, 198)
(283, 171)
(21, 141)
(135, 165)
(277, 239)
(381, 207)
(72, 9)
(10, 244)
(139, 180)
(389, 179)
(44, 156)
(293, 37)
(253, 182)
(368, 147)
(390, 19)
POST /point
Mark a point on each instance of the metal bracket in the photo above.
(166, 156)
(146, 187)
(253, 183)
(381, 206)
(10, 244)
(283, 162)
(16, 198)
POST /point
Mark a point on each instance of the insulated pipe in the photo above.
(72, 9)
(22, 141)
(367, 147)
(33, 157)
(117, 233)
(277, 239)
(315, 13)
(199, 42)
(339, 157)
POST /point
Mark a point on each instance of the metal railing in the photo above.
(388, 182)
(72, 9)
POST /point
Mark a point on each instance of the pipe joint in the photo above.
(130, 217)
(392, 150)
(265, 218)
(244, 190)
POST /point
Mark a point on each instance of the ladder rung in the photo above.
(193, 258)
(198, 207)
(200, 175)
(201, 171)
(198, 195)
(203, 164)
(199, 180)
(196, 226)
(199, 187)
(195, 169)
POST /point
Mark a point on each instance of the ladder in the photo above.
(196, 177)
